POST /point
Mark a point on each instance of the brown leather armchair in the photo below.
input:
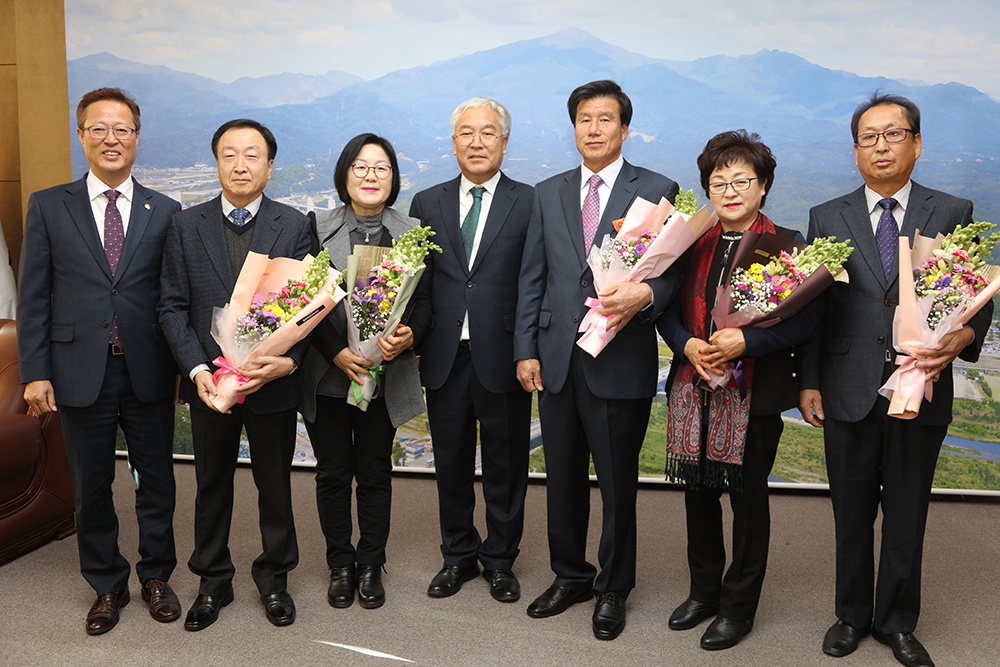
(36, 487)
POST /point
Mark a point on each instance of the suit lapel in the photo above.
(919, 209)
(266, 230)
(857, 217)
(503, 202)
(82, 215)
(338, 244)
(213, 236)
(569, 194)
(621, 198)
(451, 214)
(137, 223)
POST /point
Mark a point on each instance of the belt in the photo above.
(464, 344)
(115, 350)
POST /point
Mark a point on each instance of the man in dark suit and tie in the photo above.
(873, 459)
(467, 354)
(90, 348)
(590, 406)
(205, 251)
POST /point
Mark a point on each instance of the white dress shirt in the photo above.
(99, 202)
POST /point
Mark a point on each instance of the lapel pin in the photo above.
(147, 207)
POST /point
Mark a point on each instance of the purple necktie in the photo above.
(887, 234)
(114, 237)
(591, 213)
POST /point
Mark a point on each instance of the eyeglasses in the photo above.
(739, 185)
(486, 138)
(100, 132)
(894, 135)
(382, 171)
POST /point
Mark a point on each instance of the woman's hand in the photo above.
(725, 344)
(352, 365)
(694, 350)
(396, 343)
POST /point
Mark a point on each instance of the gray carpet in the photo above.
(45, 600)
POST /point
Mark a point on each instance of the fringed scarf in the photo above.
(728, 412)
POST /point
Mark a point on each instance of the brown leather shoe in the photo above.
(163, 603)
(104, 614)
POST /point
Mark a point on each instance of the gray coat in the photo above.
(401, 384)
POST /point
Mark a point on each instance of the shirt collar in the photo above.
(253, 207)
(608, 175)
(902, 197)
(490, 186)
(97, 187)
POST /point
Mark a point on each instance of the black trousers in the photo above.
(738, 590)
(885, 461)
(216, 439)
(90, 434)
(504, 433)
(575, 425)
(351, 444)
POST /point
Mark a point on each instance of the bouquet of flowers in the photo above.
(377, 302)
(950, 285)
(275, 304)
(650, 238)
(762, 292)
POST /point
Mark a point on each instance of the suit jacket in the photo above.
(68, 296)
(775, 387)
(401, 386)
(488, 291)
(845, 360)
(555, 281)
(197, 278)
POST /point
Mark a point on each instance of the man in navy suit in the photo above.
(90, 348)
(467, 354)
(873, 459)
(205, 251)
(590, 406)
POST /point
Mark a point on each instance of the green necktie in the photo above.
(472, 221)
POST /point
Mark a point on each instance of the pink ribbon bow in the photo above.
(226, 368)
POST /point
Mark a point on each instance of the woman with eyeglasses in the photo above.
(722, 441)
(351, 444)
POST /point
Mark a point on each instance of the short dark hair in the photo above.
(878, 99)
(726, 148)
(603, 88)
(272, 143)
(350, 153)
(107, 95)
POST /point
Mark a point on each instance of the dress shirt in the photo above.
(465, 200)
(608, 177)
(99, 201)
(873, 198)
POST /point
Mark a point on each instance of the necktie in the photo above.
(114, 237)
(591, 213)
(240, 216)
(887, 234)
(472, 221)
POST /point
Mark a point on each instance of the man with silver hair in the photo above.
(464, 314)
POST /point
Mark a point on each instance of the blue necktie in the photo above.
(240, 216)
(887, 234)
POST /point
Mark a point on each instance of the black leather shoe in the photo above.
(690, 613)
(842, 639)
(907, 649)
(450, 579)
(609, 616)
(342, 583)
(724, 633)
(555, 600)
(205, 610)
(279, 608)
(104, 613)
(371, 593)
(503, 585)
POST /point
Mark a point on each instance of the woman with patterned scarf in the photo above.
(722, 440)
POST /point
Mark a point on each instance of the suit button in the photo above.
(881, 340)
(794, 375)
(888, 302)
(583, 283)
(106, 324)
(469, 284)
(576, 318)
(459, 323)
(114, 292)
